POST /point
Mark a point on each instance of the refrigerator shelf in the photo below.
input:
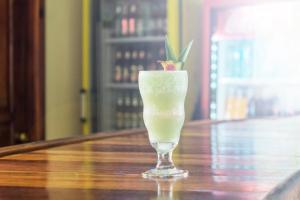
(258, 82)
(122, 86)
(124, 40)
(231, 37)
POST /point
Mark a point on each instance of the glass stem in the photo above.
(164, 161)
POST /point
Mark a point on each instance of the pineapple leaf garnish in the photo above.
(184, 53)
(169, 51)
(172, 63)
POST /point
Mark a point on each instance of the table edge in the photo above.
(39, 145)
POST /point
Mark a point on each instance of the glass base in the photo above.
(165, 173)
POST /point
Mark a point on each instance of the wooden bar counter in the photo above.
(226, 160)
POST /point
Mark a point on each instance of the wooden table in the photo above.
(231, 160)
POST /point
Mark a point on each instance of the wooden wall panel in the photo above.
(3, 55)
(5, 134)
(5, 114)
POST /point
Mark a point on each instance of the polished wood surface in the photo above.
(231, 160)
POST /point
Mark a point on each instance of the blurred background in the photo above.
(70, 67)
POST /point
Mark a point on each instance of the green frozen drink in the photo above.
(163, 94)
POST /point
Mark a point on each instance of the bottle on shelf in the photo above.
(134, 66)
(160, 56)
(135, 110)
(259, 104)
(119, 111)
(233, 59)
(140, 111)
(236, 60)
(151, 62)
(230, 102)
(247, 59)
(124, 20)
(132, 16)
(162, 53)
(269, 104)
(251, 112)
(118, 19)
(147, 18)
(127, 110)
(265, 103)
(117, 77)
(139, 22)
(237, 104)
(141, 59)
(242, 106)
(154, 20)
(163, 12)
(276, 107)
(228, 58)
(126, 66)
(159, 18)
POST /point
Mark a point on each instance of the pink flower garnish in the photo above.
(168, 65)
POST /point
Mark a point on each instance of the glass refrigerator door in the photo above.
(126, 36)
(255, 61)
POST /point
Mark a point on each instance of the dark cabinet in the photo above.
(21, 71)
(6, 135)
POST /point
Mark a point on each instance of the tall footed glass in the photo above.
(163, 94)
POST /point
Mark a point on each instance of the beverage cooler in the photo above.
(126, 36)
(251, 63)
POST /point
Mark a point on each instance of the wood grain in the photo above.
(230, 160)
